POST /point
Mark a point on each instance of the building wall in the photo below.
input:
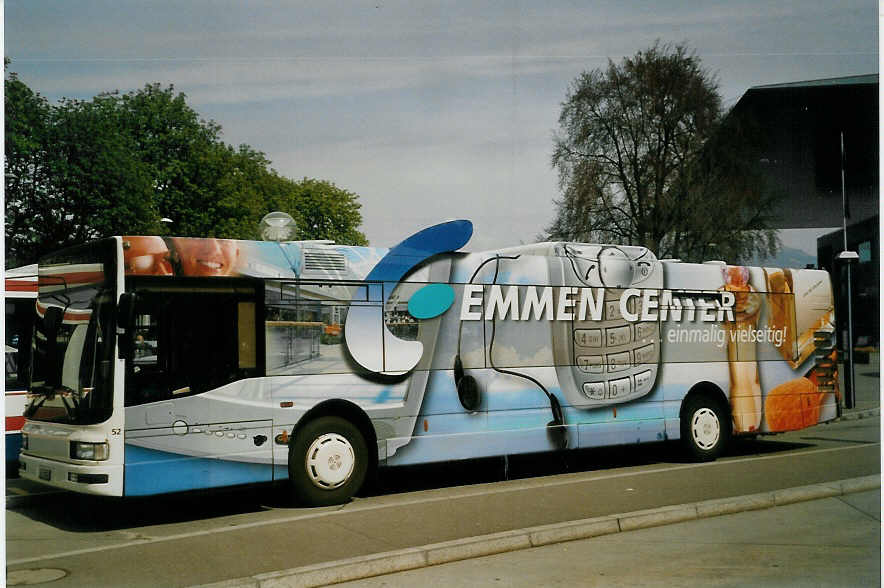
(799, 148)
(864, 238)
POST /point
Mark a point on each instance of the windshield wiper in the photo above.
(49, 393)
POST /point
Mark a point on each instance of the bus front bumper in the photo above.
(103, 480)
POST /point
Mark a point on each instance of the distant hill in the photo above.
(787, 257)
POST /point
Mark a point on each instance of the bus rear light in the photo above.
(24, 441)
(90, 451)
(87, 478)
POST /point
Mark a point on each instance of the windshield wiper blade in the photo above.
(49, 393)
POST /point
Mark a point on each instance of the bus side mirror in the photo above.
(125, 322)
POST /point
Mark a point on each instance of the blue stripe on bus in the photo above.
(13, 446)
(149, 471)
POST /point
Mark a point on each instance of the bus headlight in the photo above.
(90, 451)
(24, 441)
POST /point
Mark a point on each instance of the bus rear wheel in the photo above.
(328, 461)
(705, 427)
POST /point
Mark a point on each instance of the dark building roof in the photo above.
(825, 82)
(800, 126)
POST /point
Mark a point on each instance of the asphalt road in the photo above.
(200, 538)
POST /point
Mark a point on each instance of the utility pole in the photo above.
(848, 258)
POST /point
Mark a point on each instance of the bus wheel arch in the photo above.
(706, 423)
(332, 452)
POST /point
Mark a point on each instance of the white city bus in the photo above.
(172, 364)
(20, 292)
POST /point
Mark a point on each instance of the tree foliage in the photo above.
(119, 163)
(322, 210)
(645, 156)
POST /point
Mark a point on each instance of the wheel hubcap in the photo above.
(705, 428)
(330, 461)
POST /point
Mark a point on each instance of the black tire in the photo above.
(705, 427)
(328, 462)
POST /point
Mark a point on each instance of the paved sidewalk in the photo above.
(825, 542)
(838, 518)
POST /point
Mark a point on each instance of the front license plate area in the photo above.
(45, 474)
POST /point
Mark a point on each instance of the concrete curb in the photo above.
(860, 414)
(418, 557)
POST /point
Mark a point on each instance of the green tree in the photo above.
(98, 183)
(239, 189)
(70, 175)
(181, 153)
(321, 210)
(118, 163)
(646, 157)
(25, 167)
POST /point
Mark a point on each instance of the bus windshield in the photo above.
(73, 340)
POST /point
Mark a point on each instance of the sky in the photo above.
(428, 110)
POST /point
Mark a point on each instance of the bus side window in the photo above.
(305, 339)
(146, 378)
(19, 324)
(190, 342)
(145, 344)
(247, 356)
(304, 327)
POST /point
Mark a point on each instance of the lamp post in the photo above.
(847, 259)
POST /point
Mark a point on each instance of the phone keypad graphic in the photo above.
(610, 360)
(616, 360)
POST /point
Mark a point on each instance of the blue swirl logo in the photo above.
(431, 301)
(380, 351)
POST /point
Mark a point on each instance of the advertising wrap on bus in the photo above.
(243, 361)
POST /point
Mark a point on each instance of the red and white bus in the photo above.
(20, 292)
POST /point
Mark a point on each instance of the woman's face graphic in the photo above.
(206, 257)
(146, 256)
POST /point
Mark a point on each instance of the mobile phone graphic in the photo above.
(605, 358)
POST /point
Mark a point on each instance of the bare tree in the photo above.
(646, 157)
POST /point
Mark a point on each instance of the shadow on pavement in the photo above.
(518, 467)
(82, 513)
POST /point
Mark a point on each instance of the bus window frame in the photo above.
(243, 289)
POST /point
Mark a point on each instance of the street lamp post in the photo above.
(847, 258)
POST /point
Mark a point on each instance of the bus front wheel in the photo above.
(328, 461)
(705, 427)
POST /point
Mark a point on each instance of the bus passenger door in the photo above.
(195, 410)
